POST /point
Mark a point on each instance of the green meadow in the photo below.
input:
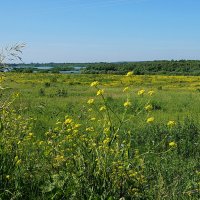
(124, 137)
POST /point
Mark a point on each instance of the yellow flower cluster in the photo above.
(106, 130)
(68, 121)
(171, 123)
(90, 129)
(150, 120)
(102, 108)
(125, 89)
(151, 92)
(90, 101)
(94, 84)
(18, 162)
(148, 107)
(100, 92)
(141, 92)
(127, 104)
(93, 119)
(172, 144)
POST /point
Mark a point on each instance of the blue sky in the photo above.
(102, 30)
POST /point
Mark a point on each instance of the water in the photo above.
(44, 67)
(39, 67)
(76, 69)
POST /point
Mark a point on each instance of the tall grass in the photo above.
(112, 146)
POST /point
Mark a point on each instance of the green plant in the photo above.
(107, 148)
(11, 53)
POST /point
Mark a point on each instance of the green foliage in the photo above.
(41, 92)
(126, 143)
(181, 67)
(164, 67)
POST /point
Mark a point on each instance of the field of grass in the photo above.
(59, 140)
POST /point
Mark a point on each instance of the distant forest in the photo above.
(173, 67)
(181, 67)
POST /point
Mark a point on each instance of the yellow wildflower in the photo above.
(93, 119)
(75, 131)
(49, 142)
(18, 162)
(102, 108)
(77, 125)
(148, 107)
(150, 120)
(89, 129)
(90, 101)
(106, 141)
(125, 89)
(171, 123)
(132, 173)
(56, 129)
(120, 167)
(94, 84)
(30, 134)
(150, 93)
(173, 144)
(100, 92)
(68, 121)
(129, 74)
(106, 130)
(127, 104)
(141, 92)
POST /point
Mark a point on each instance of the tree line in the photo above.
(163, 67)
(173, 67)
